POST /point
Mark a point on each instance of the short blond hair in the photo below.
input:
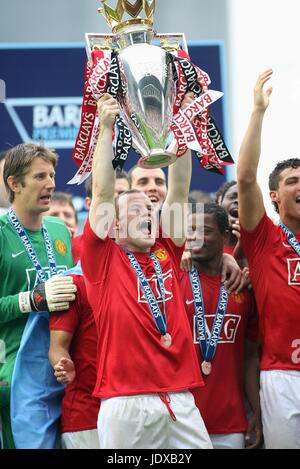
(18, 161)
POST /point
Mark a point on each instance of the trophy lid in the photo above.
(140, 12)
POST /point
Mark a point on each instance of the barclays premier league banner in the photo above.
(41, 95)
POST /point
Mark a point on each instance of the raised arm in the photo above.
(174, 209)
(102, 207)
(251, 206)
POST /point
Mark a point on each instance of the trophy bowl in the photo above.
(148, 101)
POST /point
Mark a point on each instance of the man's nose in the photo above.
(151, 186)
(50, 183)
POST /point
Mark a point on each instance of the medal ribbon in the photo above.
(21, 232)
(208, 347)
(160, 318)
(291, 238)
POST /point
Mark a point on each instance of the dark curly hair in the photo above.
(220, 194)
(275, 174)
(219, 213)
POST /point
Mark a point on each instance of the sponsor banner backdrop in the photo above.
(44, 86)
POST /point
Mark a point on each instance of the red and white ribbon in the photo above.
(95, 85)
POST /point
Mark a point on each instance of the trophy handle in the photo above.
(172, 42)
(98, 41)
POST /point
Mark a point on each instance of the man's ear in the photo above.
(88, 202)
(13, 184)
(274, 196)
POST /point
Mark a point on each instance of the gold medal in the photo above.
(206, 368)
(166, 340)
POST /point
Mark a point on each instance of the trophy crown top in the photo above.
(141, 12)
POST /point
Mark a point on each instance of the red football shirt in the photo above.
(79, 408)
(226, 250)
(275, 276)
(221, 402)
(76, 248)
(131, 357)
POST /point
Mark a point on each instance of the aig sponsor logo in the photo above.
(54, 121)
(294, 271)
(167, 277)
(32, 276)
(229, 329)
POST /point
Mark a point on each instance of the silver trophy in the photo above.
(146, 70)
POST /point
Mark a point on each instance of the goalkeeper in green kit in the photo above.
(34, 252)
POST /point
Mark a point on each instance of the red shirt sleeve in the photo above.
(95, 255)
(228, 250)
(255, 242)
(76, 248)
(68, 320)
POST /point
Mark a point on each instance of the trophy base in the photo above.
(157, 159)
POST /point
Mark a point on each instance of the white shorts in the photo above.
(280, 406)
(86, 439)
(228, 441)
(144, 422)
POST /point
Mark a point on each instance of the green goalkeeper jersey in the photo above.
(17, 274)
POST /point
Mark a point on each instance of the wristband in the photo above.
(38, 298)
(24, 302)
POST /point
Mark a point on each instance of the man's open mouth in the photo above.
(145, 226)
(45, 198)
(234, 212)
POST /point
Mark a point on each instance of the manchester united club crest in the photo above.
(239, 298)
(60, 247)
(161, 255)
